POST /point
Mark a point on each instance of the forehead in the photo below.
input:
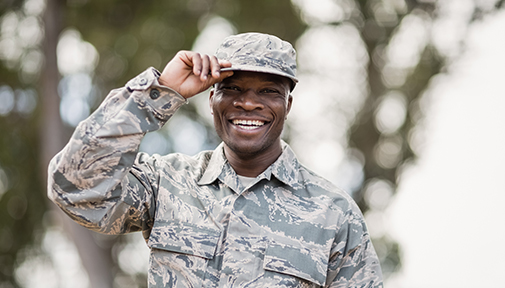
(256, 77)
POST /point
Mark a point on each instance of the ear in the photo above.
(211, 100)
(290, 101)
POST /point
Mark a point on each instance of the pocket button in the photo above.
(155, 94)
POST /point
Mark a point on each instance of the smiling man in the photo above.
(247, 214)
(249, 110)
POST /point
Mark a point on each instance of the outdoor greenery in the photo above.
(130, 36)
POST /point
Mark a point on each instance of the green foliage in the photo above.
(273, 17)
(9, 5)
(23, 203)
(365, 135)
(131, 35)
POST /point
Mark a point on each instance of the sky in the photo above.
(448, 213)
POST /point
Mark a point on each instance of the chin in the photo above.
(244, 149)
(251, 150)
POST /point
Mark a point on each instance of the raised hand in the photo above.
(190, 73)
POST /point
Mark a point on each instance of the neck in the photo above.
(251, 165)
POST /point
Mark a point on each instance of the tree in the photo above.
(129, 36)
(386, 152)
(132, 35)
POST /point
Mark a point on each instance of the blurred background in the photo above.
(400, 102)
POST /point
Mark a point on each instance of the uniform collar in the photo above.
(215, 166)
(284, 169)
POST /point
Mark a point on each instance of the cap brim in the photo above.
(261, 70)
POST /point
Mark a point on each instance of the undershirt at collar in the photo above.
(246, 180)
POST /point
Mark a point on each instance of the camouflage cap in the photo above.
(259, 52)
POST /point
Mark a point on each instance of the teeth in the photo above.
(249, 124)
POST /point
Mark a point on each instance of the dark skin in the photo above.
(249, 108)
(190, 73)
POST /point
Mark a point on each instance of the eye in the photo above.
(269, 91)
(230, 88)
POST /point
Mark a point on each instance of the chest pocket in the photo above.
(307, 264)
(184, 238)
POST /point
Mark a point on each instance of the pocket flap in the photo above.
(184, 238)
(308, 264)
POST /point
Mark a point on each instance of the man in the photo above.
(247, 214)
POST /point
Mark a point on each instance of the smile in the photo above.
(248, 124)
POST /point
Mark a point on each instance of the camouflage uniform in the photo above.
(288, 228)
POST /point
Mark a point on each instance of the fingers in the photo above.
(215, 67)
(205, 66)
(222, 76)
(224, 63)
(196, 63)
(190, 72)
(201, 64)
(215, 74)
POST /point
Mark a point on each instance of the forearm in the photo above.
(89, 179)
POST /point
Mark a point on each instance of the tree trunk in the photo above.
(96, 260)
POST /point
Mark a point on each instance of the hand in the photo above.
(190, 73)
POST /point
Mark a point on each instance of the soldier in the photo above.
(247, 214)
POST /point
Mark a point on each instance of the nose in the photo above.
(248, 100)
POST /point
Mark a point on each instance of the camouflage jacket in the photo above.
(288, 228)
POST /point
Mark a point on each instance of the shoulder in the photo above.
(175, 161)
(321, 187)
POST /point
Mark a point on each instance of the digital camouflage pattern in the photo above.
(259, 52)
(288, 228)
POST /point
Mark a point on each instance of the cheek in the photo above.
(214, 107)
(214, 102)
(217, 114)
(220, 105)
(281, 108)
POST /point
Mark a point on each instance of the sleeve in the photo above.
(353, 261)
(99, 179)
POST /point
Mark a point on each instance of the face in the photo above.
(249, 110)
